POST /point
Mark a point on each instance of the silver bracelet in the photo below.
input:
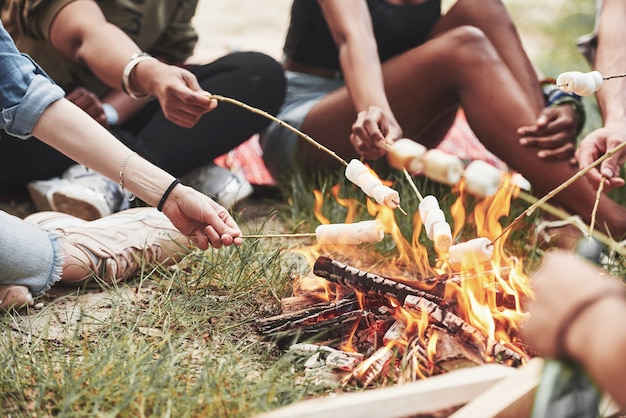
(135, 59)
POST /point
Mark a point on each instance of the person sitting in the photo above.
(363, 74)
(47, 248)
(604, 51)
(112, 58)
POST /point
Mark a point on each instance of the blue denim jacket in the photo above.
(25, 89)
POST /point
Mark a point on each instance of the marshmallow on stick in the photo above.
(442, 167)
(482, 179)
(406, 154)
(350, 234)
(434, 220)
(359, 174)
(476, 250)
(583, 84)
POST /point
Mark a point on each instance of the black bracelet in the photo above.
(167, 193)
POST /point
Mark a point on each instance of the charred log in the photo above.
(367, 283)
(456, 325)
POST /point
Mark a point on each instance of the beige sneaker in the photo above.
(121, 243)
(14, 296)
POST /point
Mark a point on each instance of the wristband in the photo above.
(574, 313)
(554, 96)
(111, 114)
(167, 193)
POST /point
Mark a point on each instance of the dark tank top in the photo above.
(397, 28)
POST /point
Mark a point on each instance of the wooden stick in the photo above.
(301, 235)
(558, 189)
(595, 205)
(291, 128)
(608, 77)
(281, 123)
(561, 214)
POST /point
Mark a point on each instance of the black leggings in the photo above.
(253, 78)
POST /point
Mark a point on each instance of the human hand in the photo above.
(594, 146)
(194, 213)
(373, 132)
(554, 133)
(563, 282)
(89, 102)
(182, 99)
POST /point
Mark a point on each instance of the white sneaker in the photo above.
(224, 186)
(79, 192)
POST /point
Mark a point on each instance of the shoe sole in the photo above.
(39, 198)
(76, 207)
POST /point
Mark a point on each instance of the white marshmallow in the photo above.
(406, 154)
(434, 216)
(442, 236)
(482, 179)
(520, 181)
(386, 196)
(476, 250)
(442, 167)
(583, 84)
(354, 169)
(359, 174)
(350, 234)
(367, 182)
(427, 204)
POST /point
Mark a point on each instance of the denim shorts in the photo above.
(280, 145)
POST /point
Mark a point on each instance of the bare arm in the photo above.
(610, 60)
(81, 32)
(566, 284)
(192, 212)
(351, 27)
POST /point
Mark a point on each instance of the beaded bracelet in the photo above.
(574, 313)
(135, 59)
(167, 193)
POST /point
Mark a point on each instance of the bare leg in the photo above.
(426, 85)
(492, 18)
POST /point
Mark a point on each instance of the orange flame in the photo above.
(486, 295)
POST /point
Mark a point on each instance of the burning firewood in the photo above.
(367, 283)
(416, 300)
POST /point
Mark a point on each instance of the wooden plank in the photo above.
(430, 395)
(511, 397)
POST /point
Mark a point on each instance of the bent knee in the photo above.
(470, 44)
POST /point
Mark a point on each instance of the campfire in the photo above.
(366, 318)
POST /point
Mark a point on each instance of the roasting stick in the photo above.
(595, 206)
(558, 189)
(565, 216)
(300, 235)
(387, 147)
(608, 77)
(281, 123)
(291, 128)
